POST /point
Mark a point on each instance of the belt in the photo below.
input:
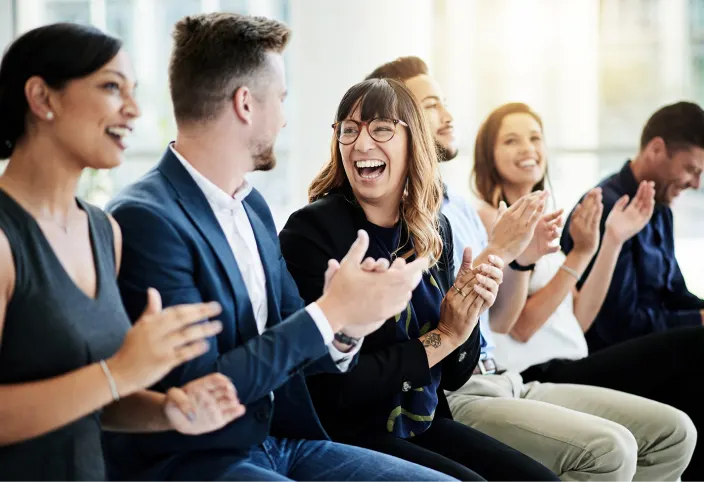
(485, 367)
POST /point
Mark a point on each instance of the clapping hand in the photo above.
(545, 238)
(626, 220)
(203, 405)
(584, 225)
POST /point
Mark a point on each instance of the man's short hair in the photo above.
(402, 69)
(214, 54)
(680, 125)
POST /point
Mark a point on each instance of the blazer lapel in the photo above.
(268, 253)
(197, 208)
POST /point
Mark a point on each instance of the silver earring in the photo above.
(49, 115)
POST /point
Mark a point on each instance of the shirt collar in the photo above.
(215, 196)
(628, 181)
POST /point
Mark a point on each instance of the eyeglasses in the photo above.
(381, 130)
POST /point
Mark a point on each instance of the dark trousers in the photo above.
(459, 451)
(666, 367)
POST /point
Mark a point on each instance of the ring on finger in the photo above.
(459, 291)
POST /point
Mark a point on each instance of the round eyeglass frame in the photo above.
(366, 124)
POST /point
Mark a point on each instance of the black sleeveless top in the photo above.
(52, 327)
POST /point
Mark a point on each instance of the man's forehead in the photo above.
(423, 86)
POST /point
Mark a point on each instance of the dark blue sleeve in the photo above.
(678, 296)
(622, 309)
(155, 255)
(622, 314)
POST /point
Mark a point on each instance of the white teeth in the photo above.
(528, 163)
(118, 131)
(369, 163)
(371, 176)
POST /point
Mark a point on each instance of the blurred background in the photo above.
(593, 69)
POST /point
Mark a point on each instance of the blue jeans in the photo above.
(286, 459)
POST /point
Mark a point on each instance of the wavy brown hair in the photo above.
(420, 205)
(485, 177)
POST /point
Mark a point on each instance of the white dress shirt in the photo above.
(234, 222)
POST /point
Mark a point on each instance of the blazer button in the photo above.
(463, 355)
(406, 387)
(261, 415)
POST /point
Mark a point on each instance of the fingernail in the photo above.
(191, 416)
(214, 305)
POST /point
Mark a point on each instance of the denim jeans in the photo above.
(286, 459)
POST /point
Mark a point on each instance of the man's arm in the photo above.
(625, 314)
(155, 255)
(679, 298)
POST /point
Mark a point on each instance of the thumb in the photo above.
(333, 266)
(358, 248)
(621, 203)
(153, 302)
(502, 209)
(177, 398)
(466, 260)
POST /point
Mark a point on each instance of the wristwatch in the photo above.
(517, 267)
(346, 340)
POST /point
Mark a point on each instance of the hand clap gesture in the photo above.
(203, 405)
(473, 292)
(584, 225)
(626, 220)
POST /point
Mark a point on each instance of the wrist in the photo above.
(452, 338)
(525, 260)
(334, 312)
(125, 385)
(523, 268)
(611, 238)
(584, 251)
(578, 261)
(499, 251)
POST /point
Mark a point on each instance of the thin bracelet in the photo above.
(111, 380)
(569, 270)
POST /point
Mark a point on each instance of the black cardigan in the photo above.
(326, 229)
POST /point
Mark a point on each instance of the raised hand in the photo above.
(626, 220)
(203, 405)
(545, 238)
(372, 266)
(355, 296)
(584, 225)
(514, 227)
(161, 340)
(473, 292)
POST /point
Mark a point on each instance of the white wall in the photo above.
(7, 27)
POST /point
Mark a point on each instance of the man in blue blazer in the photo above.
(195, 230)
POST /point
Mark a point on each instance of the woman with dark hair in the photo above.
(544, 338)
(69, 361)
(383, 177)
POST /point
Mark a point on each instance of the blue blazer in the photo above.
(172, 242)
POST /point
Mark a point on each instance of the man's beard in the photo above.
(264, 157)
(445, 154)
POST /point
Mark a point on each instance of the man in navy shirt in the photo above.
(648, 293)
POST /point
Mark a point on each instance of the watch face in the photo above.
(347, 340)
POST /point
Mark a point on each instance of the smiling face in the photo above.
(519, 151)
(376, 170)
(430, 96)
(674, 170)
(95, 114)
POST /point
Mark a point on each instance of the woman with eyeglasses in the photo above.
(383, 178)
(70, 364)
